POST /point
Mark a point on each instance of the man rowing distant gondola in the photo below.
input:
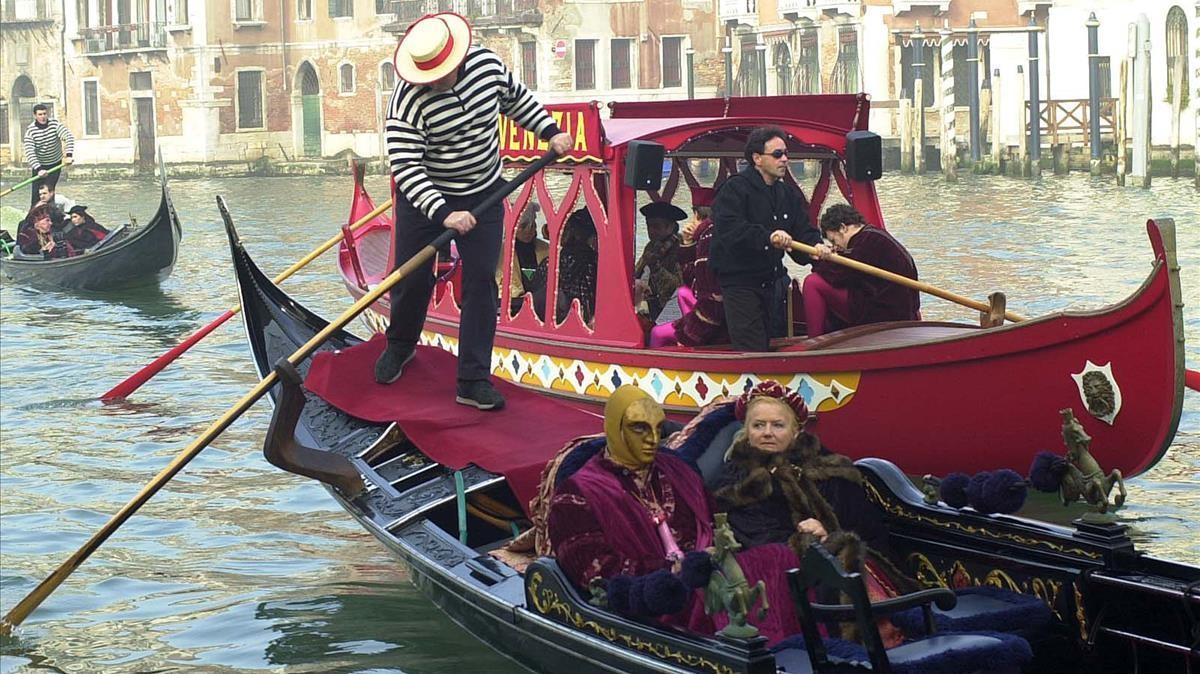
(444, 153)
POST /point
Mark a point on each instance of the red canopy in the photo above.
(515, 442)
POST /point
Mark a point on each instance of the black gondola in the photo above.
(1115, 609)
(129, 256)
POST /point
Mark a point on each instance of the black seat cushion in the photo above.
(940, 654)
(981, 608)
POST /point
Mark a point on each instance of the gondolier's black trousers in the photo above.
(479, 250)
(748, 315)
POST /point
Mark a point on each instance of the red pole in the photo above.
(140, 377)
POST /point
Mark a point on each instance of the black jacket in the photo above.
(745, 212)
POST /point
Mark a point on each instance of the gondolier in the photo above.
(444, 153)
(44, 139)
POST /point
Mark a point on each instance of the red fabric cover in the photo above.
(515, 442)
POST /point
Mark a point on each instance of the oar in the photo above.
(25, 182)
(135, 380)
(31, 601)
(907, 282)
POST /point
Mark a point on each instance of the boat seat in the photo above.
(983, 608)
(968, 652)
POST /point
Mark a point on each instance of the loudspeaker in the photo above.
(864, 155)
(644, 165)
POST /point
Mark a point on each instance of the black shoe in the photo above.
(391, 364)
(479, 393)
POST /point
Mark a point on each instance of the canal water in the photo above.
(238, 567)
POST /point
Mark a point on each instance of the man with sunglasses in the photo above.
(756, 216)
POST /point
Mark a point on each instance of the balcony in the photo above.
(131, 37)
(25, 13)
(939, 6)
(482, 14)
(743, 12)
(795, 10)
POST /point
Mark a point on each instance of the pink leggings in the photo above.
(664, 335)
(821, 300)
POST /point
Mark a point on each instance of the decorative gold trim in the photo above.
(958, 576)
(1080, 613)
(547, 602)
(902, 512)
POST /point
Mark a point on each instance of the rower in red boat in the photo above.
(444, 153)
(838, 295)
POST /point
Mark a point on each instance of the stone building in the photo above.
(34, 67)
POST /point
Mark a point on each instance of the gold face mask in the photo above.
(631, 425)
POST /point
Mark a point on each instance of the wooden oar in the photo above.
(135, 380)
(907, 282)
(26, 606)
(25, 182)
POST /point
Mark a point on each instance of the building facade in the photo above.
(34, 69)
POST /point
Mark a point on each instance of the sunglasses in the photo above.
(778, 154)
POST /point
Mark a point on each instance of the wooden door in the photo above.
(145, 132)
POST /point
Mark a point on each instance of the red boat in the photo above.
(933, 397)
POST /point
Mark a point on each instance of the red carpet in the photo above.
(515, 442)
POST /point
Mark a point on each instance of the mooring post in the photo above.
(1121, 122)
(906, 140)
(1141, 104)
(1093, 31)
(1035, 103)
(918, 45)
(1022, 163)
(949, 144)
(727, 51)
(1175, 72)
(997, 145)
(691, 66)
(973, 86)
(761, 50)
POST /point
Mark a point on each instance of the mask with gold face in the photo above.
(632, 420)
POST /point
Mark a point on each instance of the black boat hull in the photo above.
(145, 256)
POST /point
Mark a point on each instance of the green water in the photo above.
(237, 567)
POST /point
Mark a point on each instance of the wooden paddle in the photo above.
(907, 282)
(25, 182)
(134, 381)
(31, 601)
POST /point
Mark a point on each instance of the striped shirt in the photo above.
(448, 142)
(43, 144)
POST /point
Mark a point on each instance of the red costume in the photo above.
(872, 299)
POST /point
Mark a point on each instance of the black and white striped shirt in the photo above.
(43, 144)
(448, 142)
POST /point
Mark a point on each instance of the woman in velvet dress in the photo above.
(838, 295)
(783, 491)
(703, 320)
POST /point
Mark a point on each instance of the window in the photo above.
(808, 72)
(84, 14)
(304, 10)
(783, 69)
(748, 79)
(249, 99)
(91, 108)
(177, 13)
(672, 68)
(620, 63)
(387, 76)
(529, 65)
(341, 8)
(845, 70)
(1177, 54)
(247, 10)
(346, 78)
(383, 7)
(928, 85)
(585, 64)
(141, 81)
(4, 140)
(1105, 67)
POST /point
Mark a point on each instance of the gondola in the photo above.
(131, 255)
(1120, 367)
(1114, 608)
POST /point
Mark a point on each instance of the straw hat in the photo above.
(433, 47)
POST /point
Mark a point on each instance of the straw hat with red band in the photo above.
(772, 389)
(432, 48)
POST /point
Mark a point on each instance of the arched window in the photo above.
(387, 77)
(346, 78)
(1177, 54)
(309, 84)
(783, 69)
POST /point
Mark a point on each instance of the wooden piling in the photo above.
(1022, 168)
(997, 144)
(1176, 76)
(949, 144)
(906, 136)
(918, 127)
(1121, 122)
(1060, 158)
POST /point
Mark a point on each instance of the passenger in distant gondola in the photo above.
(528, 253)
(83, 232)
(703, 320)
(838, 296)
(783, 491)
(59, 204)
(659, 262)
(39, 237)
(576, 269)
(756, 215)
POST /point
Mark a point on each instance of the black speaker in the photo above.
(644, 165)
(864, 155)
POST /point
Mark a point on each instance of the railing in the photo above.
(25, 11)
(734, 10)
(481, 12)
(1070, 117)
(124, 37)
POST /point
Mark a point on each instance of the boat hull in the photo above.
(145, 256)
